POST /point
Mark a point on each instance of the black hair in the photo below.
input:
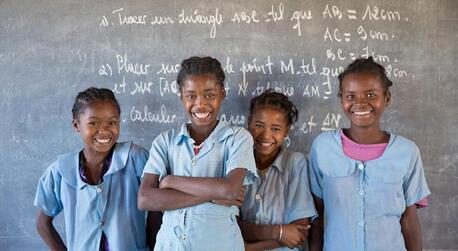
(368, 65)
(92, 95)
(277, 100)
(200, 66)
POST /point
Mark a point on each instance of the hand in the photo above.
(237, 202)
(165, 182)
(294, 234)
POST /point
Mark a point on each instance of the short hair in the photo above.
(368, 65)
(200, 66)
(276, 100)
(92, 95)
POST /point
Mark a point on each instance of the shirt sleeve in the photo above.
(241, 155)
(299, 202)
(415, 187)
(158, 158)
(47, 197)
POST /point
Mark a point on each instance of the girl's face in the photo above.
(202, 97)
(98, 126)
(269, 128)
(363, 99)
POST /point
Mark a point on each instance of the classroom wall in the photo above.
(51, 50)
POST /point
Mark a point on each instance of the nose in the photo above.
(200, 100)
(104, 127)
(361, 99)
(266, 133)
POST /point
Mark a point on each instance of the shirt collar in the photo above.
(220, 133)
(279, 162)
(69, 163)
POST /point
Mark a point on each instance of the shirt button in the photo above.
(99, 190)
(361, 192)
(101, 223)
(361, 223)
(183, 237)
(193, 162)
(257, 196)
(360, 166)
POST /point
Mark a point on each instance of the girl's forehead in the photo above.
(270, 112)
(207, 81)
(100, 106)
(358, 81)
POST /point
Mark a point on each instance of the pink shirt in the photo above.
(368, 152)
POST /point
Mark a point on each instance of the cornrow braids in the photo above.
(277, 100)
(200, 66)
(368, 65)
(90, 96)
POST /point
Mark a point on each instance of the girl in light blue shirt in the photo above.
(277, 208)
(195, 173)
(95, 187)
(368, 205)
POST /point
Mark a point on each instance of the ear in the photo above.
(248, 122)
(223, 92)
(75, 125)
(387, 98)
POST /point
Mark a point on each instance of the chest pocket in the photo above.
(336, 167)
(386, 171)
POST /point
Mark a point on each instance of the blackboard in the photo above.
(51, 50)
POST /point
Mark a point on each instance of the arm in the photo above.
(152, 198)
(207, 188)
(317, 231)
(293, 234)
(153, 224)
(48, 233)
(410, 227)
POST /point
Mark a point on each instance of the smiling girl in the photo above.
(95, 187)
(195, 173)
(367, 182)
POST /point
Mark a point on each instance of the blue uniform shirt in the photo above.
(283, 196)
(364, 201)
(110, 207)
(205, 226)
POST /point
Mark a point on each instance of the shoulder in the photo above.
(136, 150)
(171, 135)
(293, 161)
(64, 166)
(404, 142)
(327, 139)
(403, 146)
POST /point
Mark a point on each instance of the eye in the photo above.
(371, 95)
(190, 96)
(349, 97)
(276, 129)
(259, 126)
(209, 95)
(93, 123)
(114, 123)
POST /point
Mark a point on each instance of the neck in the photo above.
(200, 133)
(94, 160)
(367, 135)
(263, 162)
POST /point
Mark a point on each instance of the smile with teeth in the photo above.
(362, 113)
(266, 144)
(201, 115)
(103, 141)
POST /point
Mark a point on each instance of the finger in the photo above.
(303, 227)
